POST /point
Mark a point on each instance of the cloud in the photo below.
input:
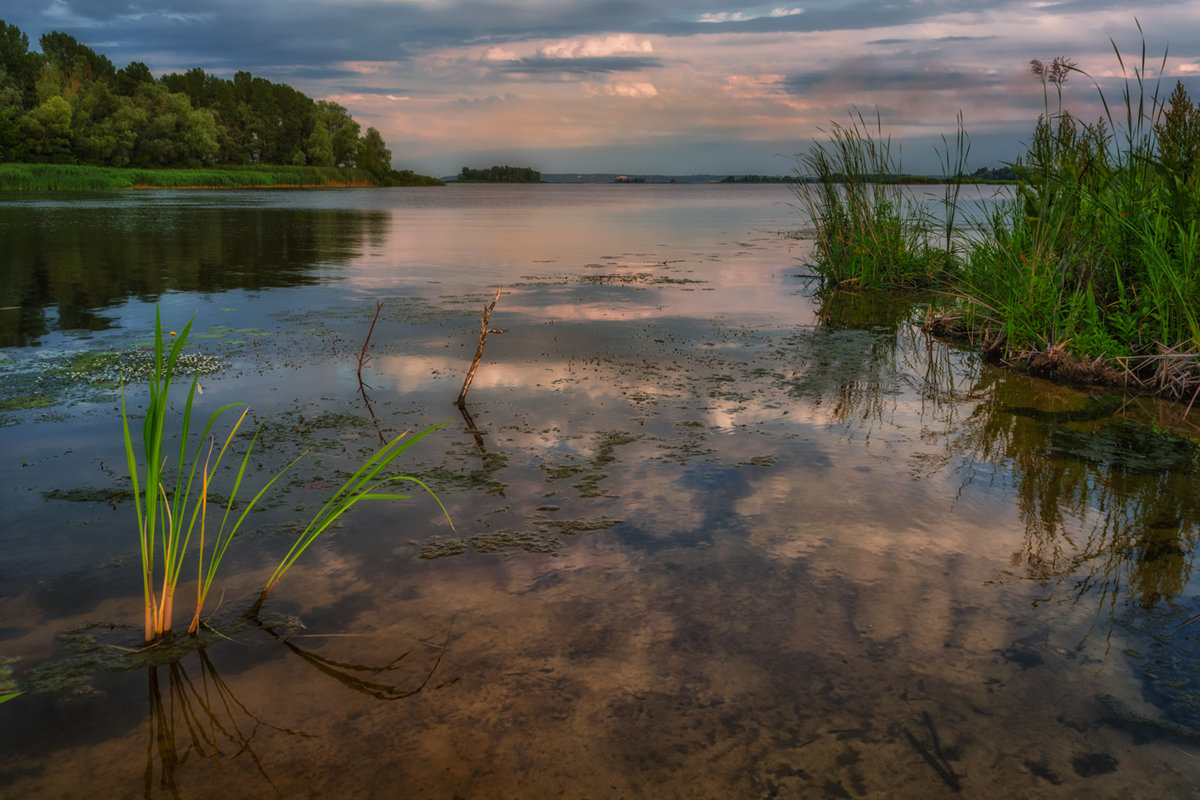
(870, 73)
(578, 66)
(741, 16)
(623, 44)
(642, 90)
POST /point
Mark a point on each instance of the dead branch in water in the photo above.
(363, 358)
(483, 332)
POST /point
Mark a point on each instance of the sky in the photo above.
(664, 87)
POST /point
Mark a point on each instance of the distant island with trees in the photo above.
(68, 114)
(496, 174)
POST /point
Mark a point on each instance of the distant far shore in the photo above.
(633, 178)
(78, 177)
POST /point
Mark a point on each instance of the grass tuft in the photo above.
(171, 516)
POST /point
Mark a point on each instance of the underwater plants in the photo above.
(172, 510)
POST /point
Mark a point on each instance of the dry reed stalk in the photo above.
(483, 332)
(363, 358)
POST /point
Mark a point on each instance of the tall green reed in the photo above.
(172, 506)
(1096, 253)
(868, 231)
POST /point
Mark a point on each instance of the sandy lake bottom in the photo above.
(717, 534)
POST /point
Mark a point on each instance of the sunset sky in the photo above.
(673, 86)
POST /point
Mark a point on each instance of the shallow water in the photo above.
(716, 534)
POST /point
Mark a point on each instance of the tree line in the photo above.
(505, 174)
(70, 105)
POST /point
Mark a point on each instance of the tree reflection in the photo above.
(90, 256)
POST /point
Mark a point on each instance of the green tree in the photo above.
(374, 156)
(19, 68)
(132, 76)
(175, 134)
(343, 132)
(320, 144)
(47, 131)
(78, 63)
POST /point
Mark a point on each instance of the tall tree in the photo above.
(374, 156)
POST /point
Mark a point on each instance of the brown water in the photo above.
(717, 534)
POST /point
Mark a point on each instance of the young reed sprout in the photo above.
(173, 505)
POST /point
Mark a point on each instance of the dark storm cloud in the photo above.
(581, 65)
(938, 40)
(225, 33)
(871, 73)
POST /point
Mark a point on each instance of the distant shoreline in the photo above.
(78, 177)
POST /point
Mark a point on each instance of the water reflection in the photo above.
(766, 534)
(200, 718)
(1110, 507)
(62, 270)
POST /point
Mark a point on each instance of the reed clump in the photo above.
(1091, 266)
(176, 520)
(1088, 270)
(868, 231)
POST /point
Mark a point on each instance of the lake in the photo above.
(716, 532)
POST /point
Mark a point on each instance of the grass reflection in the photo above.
(1110, 507)
(196, 715)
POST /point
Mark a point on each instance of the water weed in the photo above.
(1095, 256)
(868, 232)
(173, 506)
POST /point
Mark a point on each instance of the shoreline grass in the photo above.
(77, 177)
(1090, 272)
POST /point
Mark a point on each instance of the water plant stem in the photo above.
(483, 333)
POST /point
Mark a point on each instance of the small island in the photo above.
(498, 174)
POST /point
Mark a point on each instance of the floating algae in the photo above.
(544, 537)
(591, 472)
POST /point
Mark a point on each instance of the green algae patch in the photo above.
(64, 379)
(437, 547)
(25, 402)
(8, 684)
(591, 472)
(443, 478)
(106, 647)
(758, 461)
(89, 494)
(545, 536)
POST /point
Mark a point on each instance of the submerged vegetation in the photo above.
(171, 510)
(1089, 270)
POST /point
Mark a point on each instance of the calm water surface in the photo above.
(717, 534)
